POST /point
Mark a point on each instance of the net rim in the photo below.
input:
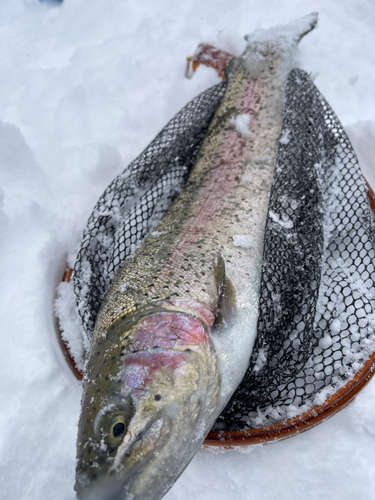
(301, 423)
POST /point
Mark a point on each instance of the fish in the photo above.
(156, 376)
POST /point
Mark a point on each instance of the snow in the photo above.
(243, 240)
(84, 87)
(261, 360)
(284, 139)
(241, 124)
(283, 36)
(71, 324)
(362, 137)
(283, 221)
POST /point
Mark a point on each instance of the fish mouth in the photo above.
(135, 438)
(134, 456)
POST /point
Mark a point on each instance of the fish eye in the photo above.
(117, 428)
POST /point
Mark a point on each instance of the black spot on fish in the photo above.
(157, 397)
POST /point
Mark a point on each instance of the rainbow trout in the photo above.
(155, 383)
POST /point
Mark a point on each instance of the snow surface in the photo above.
(84, 87)
(243, 240)
(241, 124)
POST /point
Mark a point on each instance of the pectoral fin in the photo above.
(226, 295)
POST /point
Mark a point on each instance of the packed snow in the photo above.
(282, 220)
(243, 240)
(284, 139)
(84, 87)
(241, 124)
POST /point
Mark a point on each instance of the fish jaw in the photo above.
(163, 395)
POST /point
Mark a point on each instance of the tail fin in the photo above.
(277, 42)
(281, 38)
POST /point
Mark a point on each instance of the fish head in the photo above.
(141, 426)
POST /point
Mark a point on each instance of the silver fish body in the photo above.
(153, 386)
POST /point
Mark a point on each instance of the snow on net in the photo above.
(316, 323)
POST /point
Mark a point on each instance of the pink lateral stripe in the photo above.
(141, 368)
(220, 182)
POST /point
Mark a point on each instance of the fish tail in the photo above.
(274, 43)
(283, 36)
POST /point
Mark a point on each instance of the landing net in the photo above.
(316, 324)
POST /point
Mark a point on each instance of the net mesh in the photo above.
(316, 322)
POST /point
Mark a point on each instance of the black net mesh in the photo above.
(317, 301)
(136, 200)
(316, 323)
